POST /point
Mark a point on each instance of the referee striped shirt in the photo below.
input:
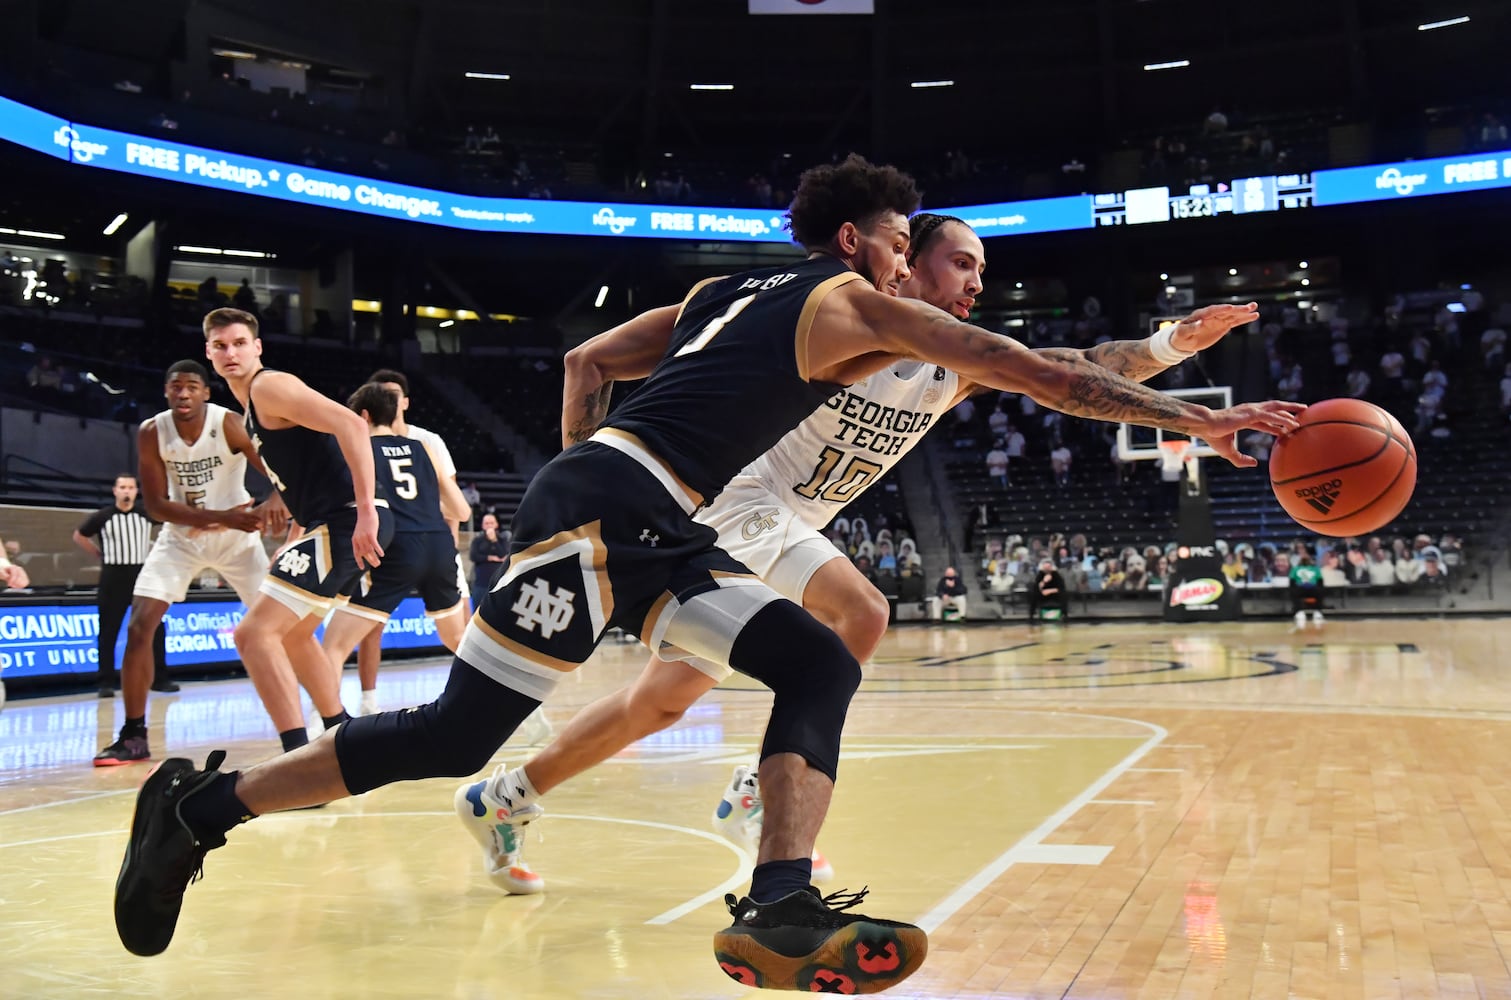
(124, 536)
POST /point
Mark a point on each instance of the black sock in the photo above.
(293, 739)
(135, 727)
(775, 879)
(215, 808)
(332, 721)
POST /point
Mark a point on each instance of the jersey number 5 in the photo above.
(404, 483)
(856, 476)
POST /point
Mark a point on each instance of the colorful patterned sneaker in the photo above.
(163, 855)
(500, 831)
(805, 941)
(738, 817)
(125, 750)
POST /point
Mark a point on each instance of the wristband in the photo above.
(1162, 347)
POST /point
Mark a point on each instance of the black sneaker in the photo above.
(126, 750)
(163, 855)
(804, 941)
(165, 685)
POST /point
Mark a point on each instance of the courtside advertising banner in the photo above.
(812, 6)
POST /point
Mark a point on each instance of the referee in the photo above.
(120, 536)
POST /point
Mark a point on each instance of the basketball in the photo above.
(1349, 469)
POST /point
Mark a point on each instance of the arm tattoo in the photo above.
(1095, 392)
(595, 406)
(1129, 358)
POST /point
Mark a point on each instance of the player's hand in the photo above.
(241, 518)
(1275, 417)
(274, 515)
(1209, 324)
(365, 539)
(14, 577)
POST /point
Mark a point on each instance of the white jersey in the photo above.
(845, 446)
(206, 473)
(440, 455)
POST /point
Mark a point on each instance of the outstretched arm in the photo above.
(630, 350)
(856, 321)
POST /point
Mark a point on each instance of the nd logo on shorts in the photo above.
(306, 561)
(551, 605)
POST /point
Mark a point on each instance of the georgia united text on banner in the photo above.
(813, 6)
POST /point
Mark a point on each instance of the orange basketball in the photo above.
(1349, 469)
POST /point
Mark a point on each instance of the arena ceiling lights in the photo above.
(486, 76)
(1173, 64)
(1430, 25)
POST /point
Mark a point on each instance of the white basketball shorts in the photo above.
(175, 560)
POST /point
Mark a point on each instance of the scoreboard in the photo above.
(1141, 206)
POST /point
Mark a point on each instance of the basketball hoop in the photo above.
(1172, 453)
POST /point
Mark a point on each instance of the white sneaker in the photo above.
(500, 832)
(535, 730)
(369, 704)
(1317, 620)
(738, 819)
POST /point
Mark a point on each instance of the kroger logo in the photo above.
(1403, 184)
(616, 223)
(82, 151)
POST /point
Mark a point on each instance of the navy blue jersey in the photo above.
(730, 384)
(406, 474)
(306, 466)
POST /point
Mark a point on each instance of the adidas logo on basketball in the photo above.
(1323, 496)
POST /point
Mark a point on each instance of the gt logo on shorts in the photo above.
(757, 523)
(294, 563)
(538, 607)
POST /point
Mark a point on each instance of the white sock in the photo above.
(369, 699)
(514, 789)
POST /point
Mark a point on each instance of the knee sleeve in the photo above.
(453, 736)
(812, 675)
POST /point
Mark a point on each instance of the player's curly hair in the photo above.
(855, 191)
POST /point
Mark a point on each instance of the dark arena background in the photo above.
(1182, 786)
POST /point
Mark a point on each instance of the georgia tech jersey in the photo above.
(207, 473)
(734, 378)
(854, 438)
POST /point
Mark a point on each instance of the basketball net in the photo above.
(1172, 454)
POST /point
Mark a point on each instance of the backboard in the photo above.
(1142, 444)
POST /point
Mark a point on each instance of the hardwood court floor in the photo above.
(1114, 811)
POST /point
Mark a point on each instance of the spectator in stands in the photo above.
(1357, 382)
(1435, 380)
(209, 294)
(886, 557)
(951, 591)
(863, 565)
(998, 422)
(1059, 463)
(1408, 568)
(1112, 575)
(43, 375)
(245, 299)
(1307, 590)
(1434, 573)
(1333, 574)
(996, 463)
(1047, 591)
(12, 576)
(1356, 565)
(1392, 372)
(907, 554)
(1215, 123)
(1429, 408)
(1452, 550)
(472, 496)
(1493, 348)
(1233, 567)
(488, 552)
(1382, 570)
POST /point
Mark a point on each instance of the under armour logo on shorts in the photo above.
(646, 536)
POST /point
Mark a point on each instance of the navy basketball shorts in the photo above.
(423, 561)
(604, 537)
(308, 573)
